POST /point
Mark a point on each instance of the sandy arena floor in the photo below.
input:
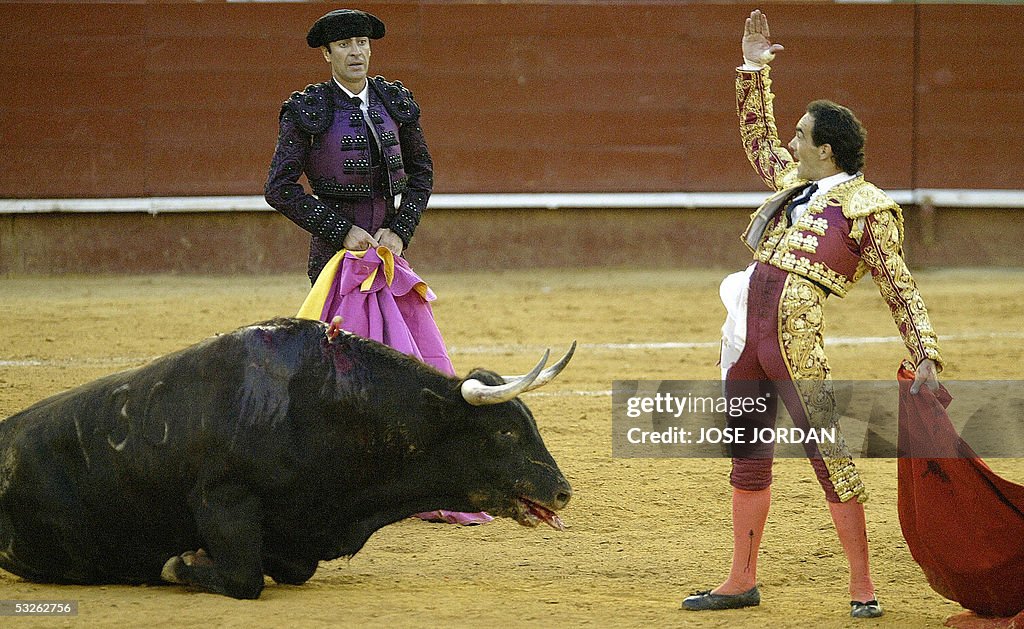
(644, 532)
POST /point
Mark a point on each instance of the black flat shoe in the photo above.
(702, 601)
(869, 609)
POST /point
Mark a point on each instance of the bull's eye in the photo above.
(507, 434)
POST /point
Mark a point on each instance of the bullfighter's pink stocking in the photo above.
(853, 534)
(749, 512)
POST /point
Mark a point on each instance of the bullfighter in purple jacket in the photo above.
(359, 142)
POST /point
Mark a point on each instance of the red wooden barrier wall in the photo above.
(110, 100)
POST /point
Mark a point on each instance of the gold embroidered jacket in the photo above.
(853, 228)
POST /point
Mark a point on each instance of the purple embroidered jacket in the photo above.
(355, 166)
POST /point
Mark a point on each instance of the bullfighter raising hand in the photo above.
(823, 228)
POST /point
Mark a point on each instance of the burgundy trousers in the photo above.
(784, 358)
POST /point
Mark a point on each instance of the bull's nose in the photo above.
(562, 497)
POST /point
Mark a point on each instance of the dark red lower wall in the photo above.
(452, 240)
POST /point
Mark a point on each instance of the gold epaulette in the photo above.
(860, 199)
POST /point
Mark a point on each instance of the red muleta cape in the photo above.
(964, 525)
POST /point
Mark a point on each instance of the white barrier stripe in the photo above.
(829, 342)
(508, 349)
(106, 361)
(936, 197)
(568, 394)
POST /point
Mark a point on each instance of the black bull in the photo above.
(272, 448)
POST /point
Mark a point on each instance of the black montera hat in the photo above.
(343, 24)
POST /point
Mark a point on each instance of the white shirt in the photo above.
(824, 185)
(364, 105)
(363, 96)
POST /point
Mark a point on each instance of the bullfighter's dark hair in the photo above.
(836, 126)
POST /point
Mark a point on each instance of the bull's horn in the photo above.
(548, 374)
(478, 394)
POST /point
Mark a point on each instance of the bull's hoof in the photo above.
(169, 573)
(175, 567)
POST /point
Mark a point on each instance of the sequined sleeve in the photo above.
(285, 194)
(420, 169)
(758, 132)
(881, 250)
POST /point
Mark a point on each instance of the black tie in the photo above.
(371, 132)
(803, 197)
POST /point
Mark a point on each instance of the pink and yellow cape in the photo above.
(379, 297)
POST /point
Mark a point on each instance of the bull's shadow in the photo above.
(272, 448)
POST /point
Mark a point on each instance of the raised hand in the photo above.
(758, 48)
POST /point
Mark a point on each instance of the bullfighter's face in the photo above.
(350, 61)
(813, 162)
